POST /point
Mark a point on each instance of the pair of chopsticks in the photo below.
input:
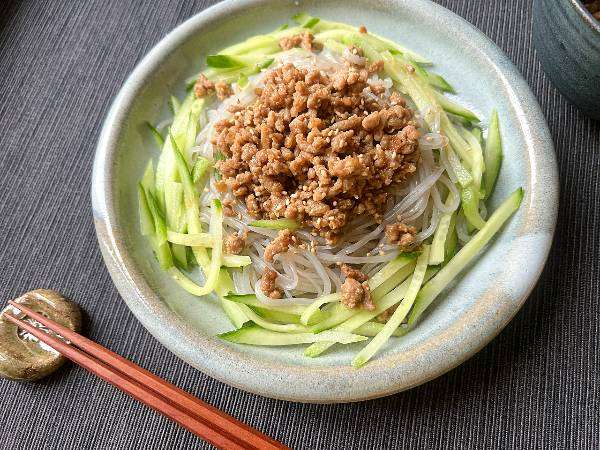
(202, 419)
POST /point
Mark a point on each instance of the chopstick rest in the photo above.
(200, 418)
(23, 356)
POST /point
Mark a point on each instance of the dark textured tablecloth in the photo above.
(61, 63)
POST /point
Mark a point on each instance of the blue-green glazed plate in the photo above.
(462, 320)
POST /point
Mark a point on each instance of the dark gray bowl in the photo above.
(567, 40)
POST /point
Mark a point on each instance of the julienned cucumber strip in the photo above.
(175, 214)
(424, 98)
(379, 42)
(463, 175)
(191, 202)
(399, 314)
(255, 335)
(232, 310)
(148, 178)
(469, 197)
(363, 316)
(371, 329)
(251, 300)
(390, 269)
(394, 280)
(313, 309)
(236, 260)
(478, 167)
(279, 327)
(305, 21)
(159, 239)
(492, 155)
(191, 240)
(146, 220)
(432, 289)
(201, 169)
(276, 316)
(160, 141)
(451, 240)
(455, 108)
(182, 131)
(276, 224)
(437, 255)
(174, 104)
(339, 313)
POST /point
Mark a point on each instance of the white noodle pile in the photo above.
(306, 274)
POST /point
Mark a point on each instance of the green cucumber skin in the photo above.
(470, 250)
(492, 155)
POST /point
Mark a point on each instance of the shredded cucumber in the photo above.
(276, 224)
(191, 240)
(371, 329)
(313, 309)
(255, 335)
(251, 300)
(363, 316)
(169, 205)
(399, 314)
(390, 269)
(455, 108)
(158, 138)
(277, 316)
(267, 325)
(469, 197)
(437, 254)
(146, 219)
(432, 289)
(492, 155)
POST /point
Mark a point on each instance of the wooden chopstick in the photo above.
(200, 418)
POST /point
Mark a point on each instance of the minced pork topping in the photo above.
(319, 148)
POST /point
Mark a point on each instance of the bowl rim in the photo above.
(219, 360)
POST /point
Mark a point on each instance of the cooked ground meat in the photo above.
(223, 90)
(304, 40)
(350, 272)
(318, 148)
(355, 290)
(280, 244)
(593, 6)
(400, 234)
(267, 284)
(203, 86)
(235, 243)
(356, 294)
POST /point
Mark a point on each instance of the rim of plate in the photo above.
(325, 384)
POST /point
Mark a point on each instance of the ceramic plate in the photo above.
(462, 320)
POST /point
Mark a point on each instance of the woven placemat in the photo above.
(61, 63)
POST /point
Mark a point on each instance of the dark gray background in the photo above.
(61, 63)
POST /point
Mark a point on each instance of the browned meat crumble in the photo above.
(355, 290)
(235, 243)
(268, 286)
(350, 272)
(203, 86)
(316, 149)
(304, 40)
(401, 234)
(280, 244)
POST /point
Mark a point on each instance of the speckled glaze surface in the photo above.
(567, 40)
(459, 323)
